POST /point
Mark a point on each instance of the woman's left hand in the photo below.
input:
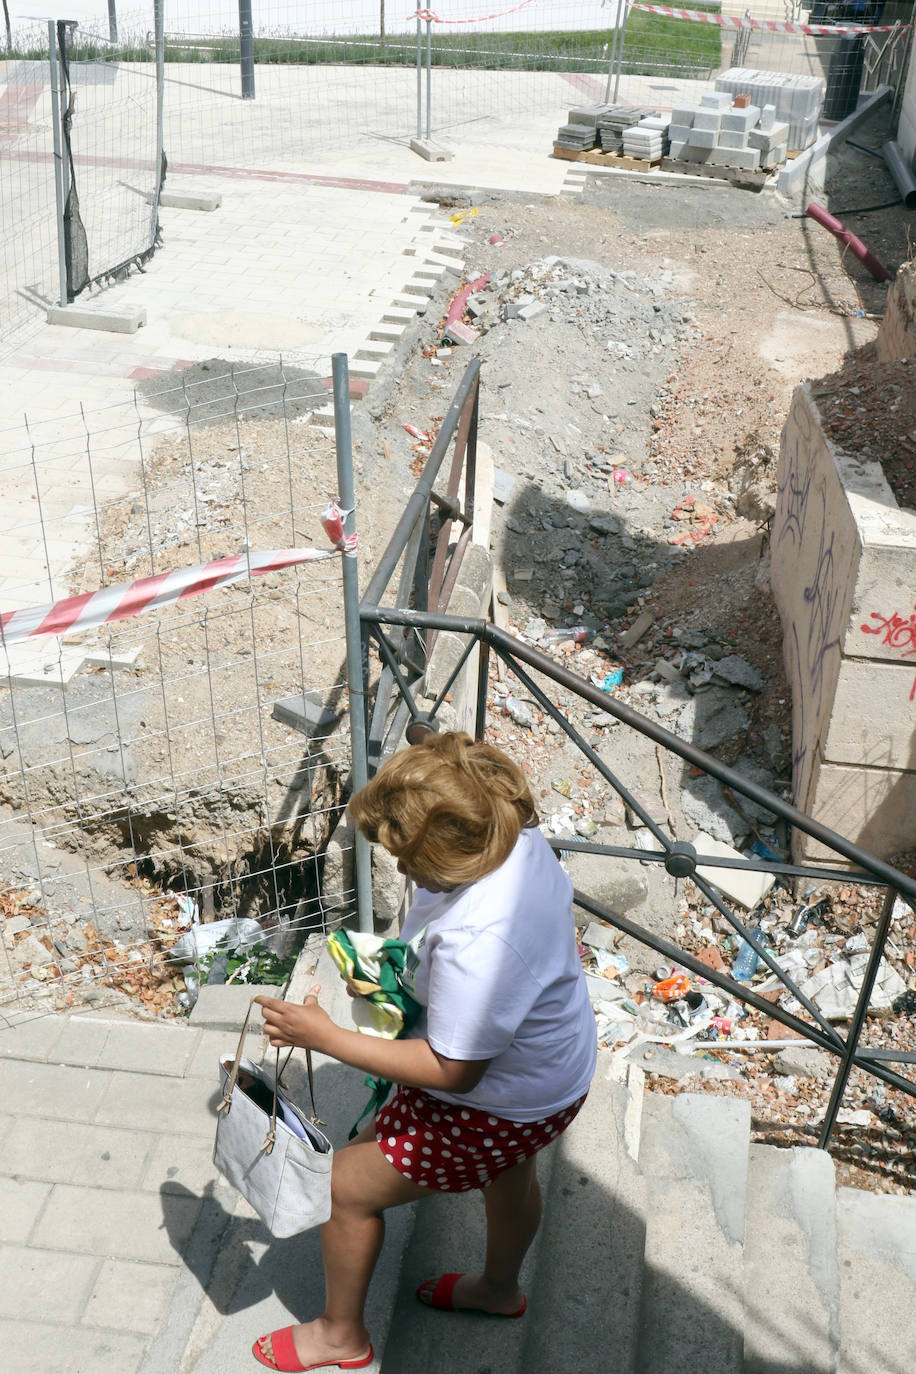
(286, 1024)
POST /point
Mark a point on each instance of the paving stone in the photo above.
(212, 1045)
(117, 1224)
(51, 1091)
(71, 1152)
(31, 1280)
(182, 1106)
(178, 1163)
(29, 1036)
(129, 1296)
(21, 1202)
(80, 1043)
(163, 1050)
(47, 1348)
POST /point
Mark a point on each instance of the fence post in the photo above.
(159, 27)
(112, 21)
(429, 76)
(246, 49)
(620, 47)
(359, 748)
(419, 77)
(58, 160)
(613, 54)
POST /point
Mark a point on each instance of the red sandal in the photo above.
(440, 1296)
(287, 1361)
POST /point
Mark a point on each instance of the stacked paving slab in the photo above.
(647, 139)
(798, 100)
(634, 131)
(723, 135)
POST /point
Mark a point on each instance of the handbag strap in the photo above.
(226, 1102)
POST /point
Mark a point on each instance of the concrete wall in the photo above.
(897, 331)
(844, 579)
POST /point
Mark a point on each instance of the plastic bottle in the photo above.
(747, 959)
(519, 712)
(579, 634)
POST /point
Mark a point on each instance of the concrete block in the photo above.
(112, 658)
(702, 138)
(743, 886)
(676, 148)
(189, 200)
(897, 330)
(157, 1104)
(679, 133)
(716, 100)
(730, 139)
(30, 1280)
(374, 348)
(708, 119)
(775, 157)
(877, 1259)
(222, 1006)
(741, 121)
(874, 807)
(148, 1049)
(767, 118)
(430, 151)
(306, 712)
(364, 368)
(44, 666)
(748, 159)
(126, 321)
(459, 333)
(871, 721)
(765, 140)
(402, 314)
(30, 1037)
(683, 114)
(531, 312)
(118, 1225)
(389, 331)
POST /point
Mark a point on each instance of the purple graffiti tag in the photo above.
(793, 491)
(895, 632)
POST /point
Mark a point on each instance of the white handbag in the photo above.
(284, 1171)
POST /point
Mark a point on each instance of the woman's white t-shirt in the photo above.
(495, 964)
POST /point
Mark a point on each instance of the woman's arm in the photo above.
(412, 1062)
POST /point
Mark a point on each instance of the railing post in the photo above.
(58, 162)
(112, 21)
(355, 684)
(419, 77)
(246, 49)
(613, 54)
(620, 47)
(429, 77)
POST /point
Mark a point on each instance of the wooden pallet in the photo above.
(739, 176)
(595, 158)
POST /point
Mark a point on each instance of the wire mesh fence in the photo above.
(185, 763)
(80, 172)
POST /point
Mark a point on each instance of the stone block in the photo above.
(741, 121)
(126, 321)
(678, 133)
(730, 139)
(430, 151)
(874, 807)
(189, 200)
(531, 312)
(776, 156)
(459, 333)
(709, 120)
(702, 138)
(716, 100)
(748, 159)
(766, 140)
(683, 114)
(767, 118)
(222, 1006)
(871, 722)
(897, 331)
(743, 886)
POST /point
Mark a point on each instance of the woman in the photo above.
(496, 1067)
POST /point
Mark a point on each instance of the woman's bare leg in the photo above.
(513, 1204)
(363, 1184)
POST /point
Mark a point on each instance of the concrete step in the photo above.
(791, 1277)
(694, 1156)
(584, 1301)
(876, 1235)
(449, 1236)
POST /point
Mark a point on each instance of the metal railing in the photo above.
(404, 655)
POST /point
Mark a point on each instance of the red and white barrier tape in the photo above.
(103, 607)
(430, 16)
(727, 21)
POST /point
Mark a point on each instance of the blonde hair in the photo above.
(449, 808)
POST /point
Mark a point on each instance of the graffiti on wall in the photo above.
(813, 635)
(895, 631)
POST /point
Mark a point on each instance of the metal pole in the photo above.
(246, 49)
(159, 27)
(858, 1018)
(353, 629)
(429, 75)
(419, 78)
(112, 21)
(613, 54)
(58, 160)
(620, 47)
(62, 36)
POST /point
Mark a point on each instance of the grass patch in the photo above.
(675, 47)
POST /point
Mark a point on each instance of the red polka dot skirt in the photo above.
(452, 1149)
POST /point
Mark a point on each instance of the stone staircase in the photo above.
(671, 1245)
